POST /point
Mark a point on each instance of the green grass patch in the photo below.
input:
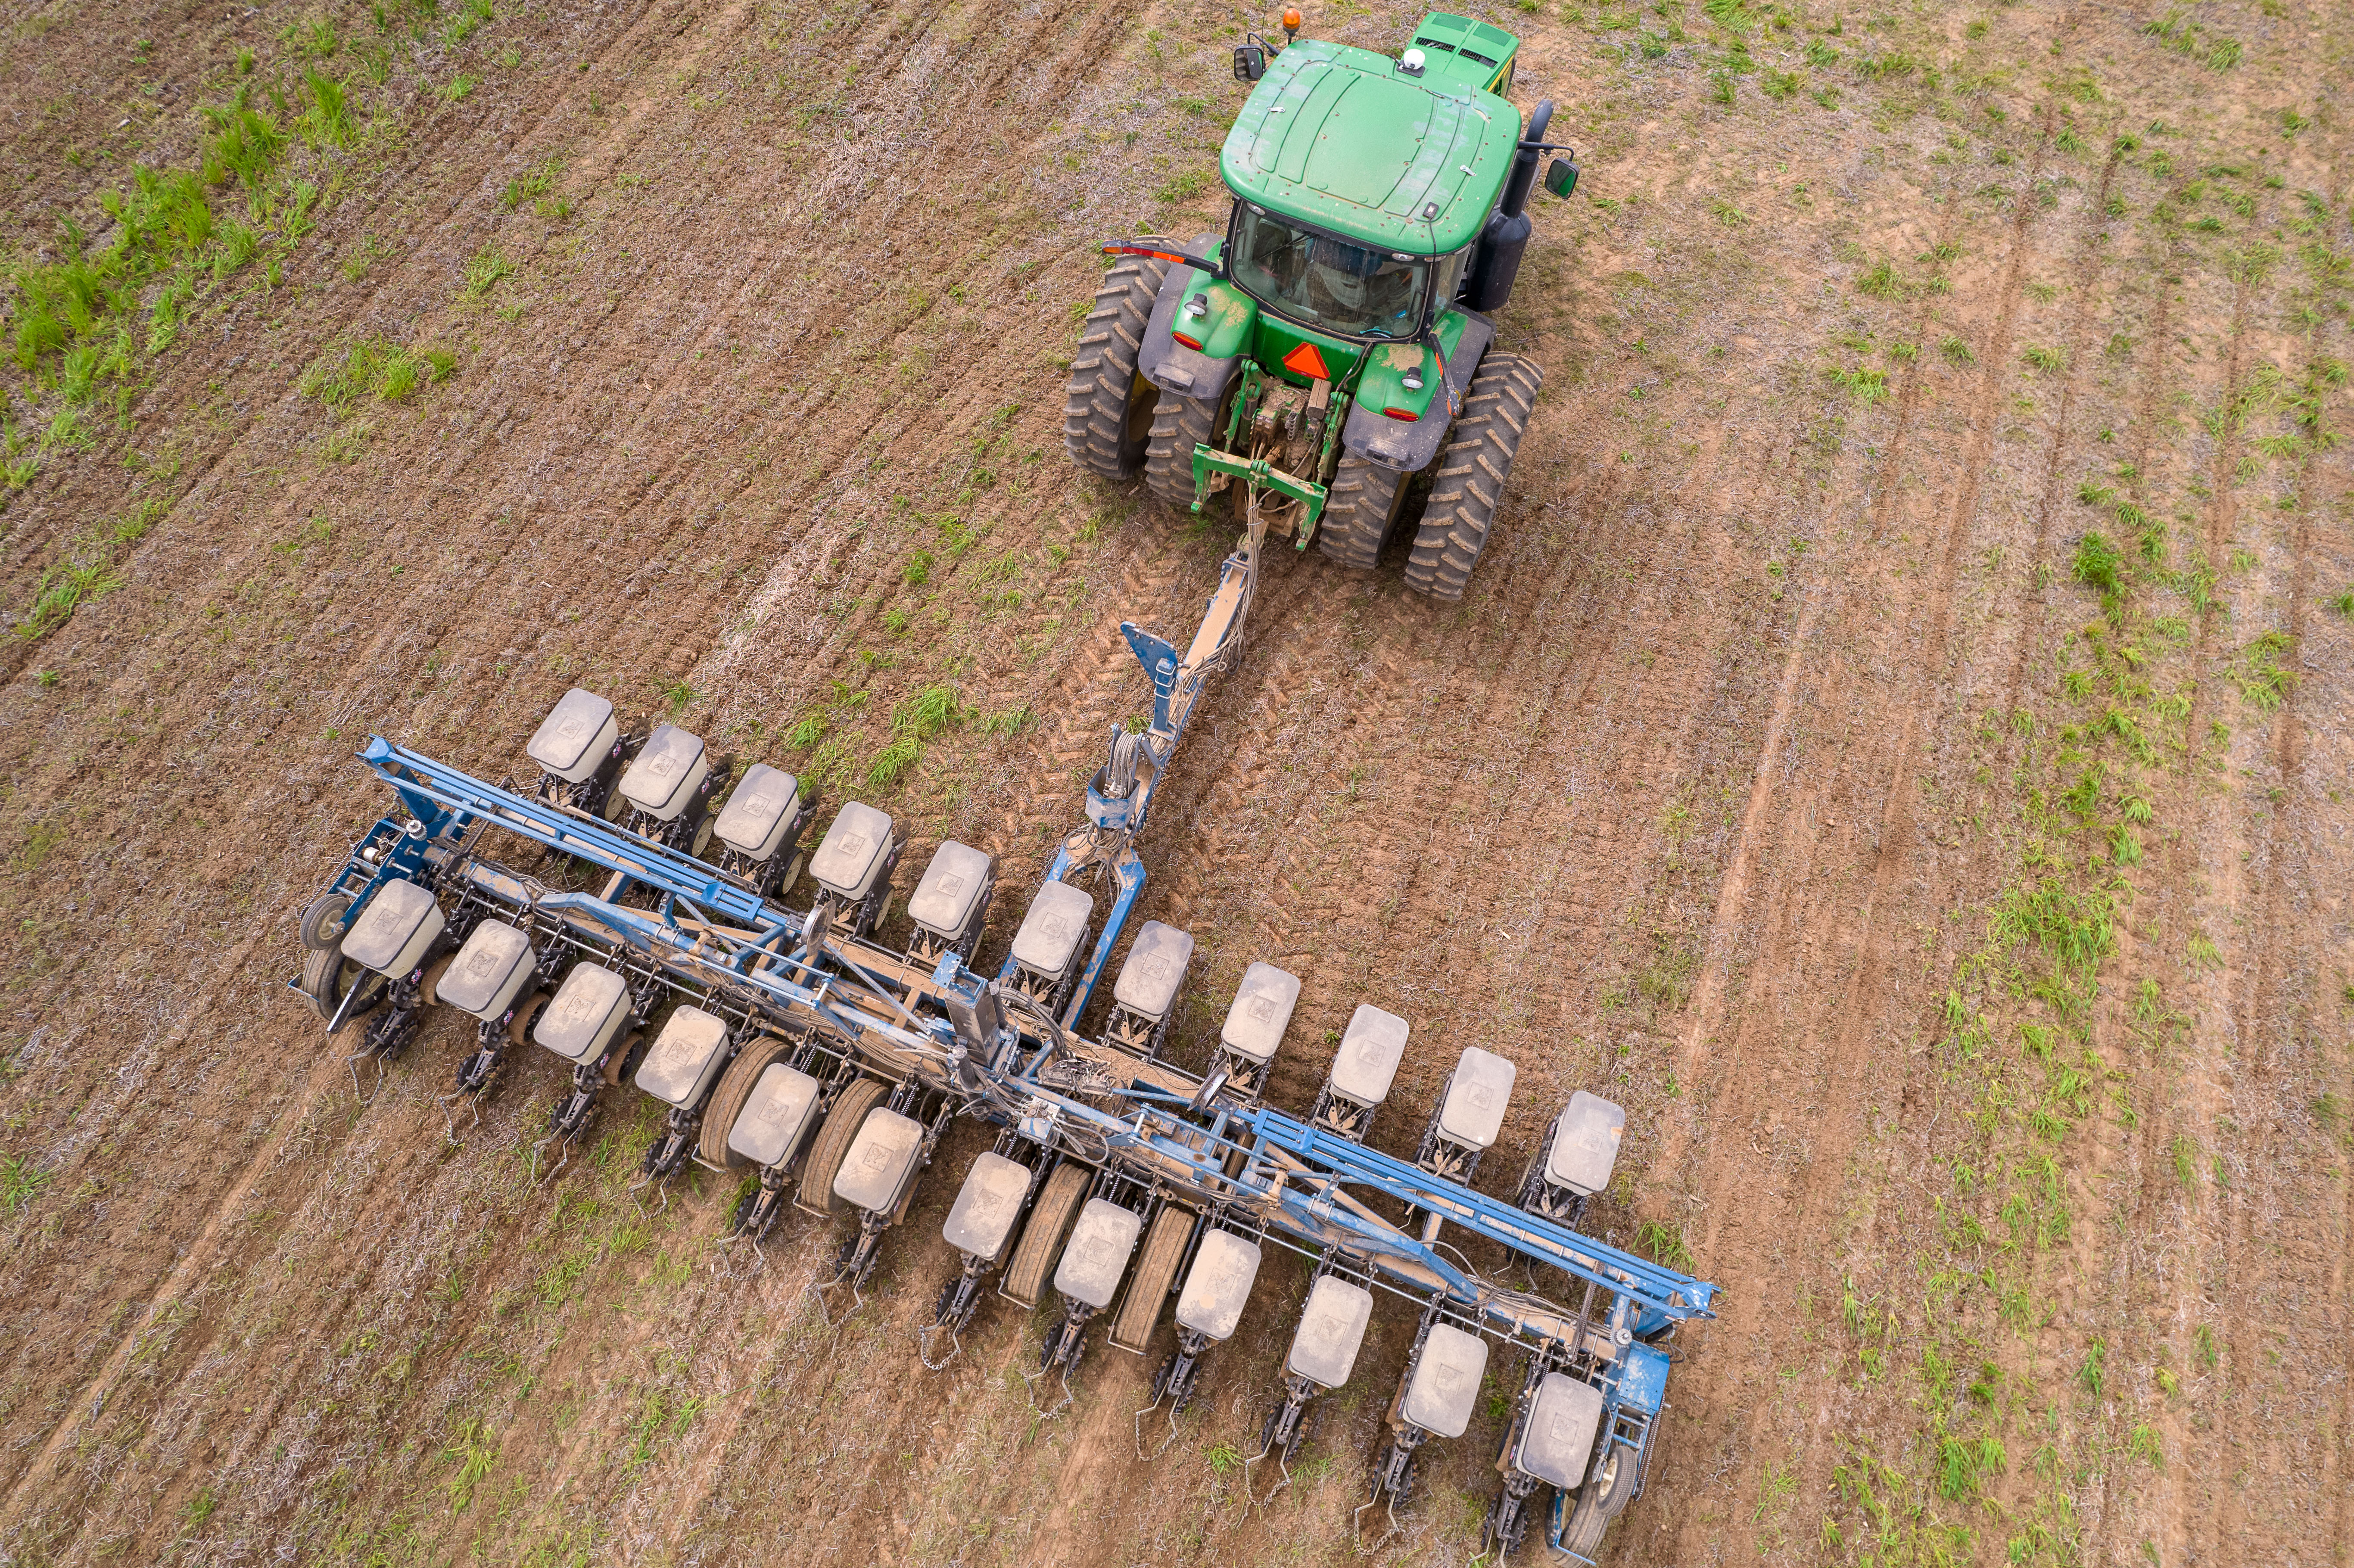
(373, 367)
(483, 270)
(20, 1183)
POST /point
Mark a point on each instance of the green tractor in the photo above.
(1334, 343)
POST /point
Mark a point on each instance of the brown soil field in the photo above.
(1896, 745)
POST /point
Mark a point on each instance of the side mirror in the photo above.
(1561, 178)
(1250, 62)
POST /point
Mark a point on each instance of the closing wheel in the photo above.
(327, 975)
(1156, 1270)
(1472, 469)
(1600, 1501)
(735, 1088)
(322, 921)
(1358, 517)
(1110, 410)
(1041, 1238)
(842, 1124)
(1178, 425)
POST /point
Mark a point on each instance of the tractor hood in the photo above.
(1345, 140)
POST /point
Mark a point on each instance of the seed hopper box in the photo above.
(575, 737)
(685, 1057)
(1262, 1010)
(1225, 1266)
(1369, 1055)
(754, 821)
(881, 1160)
(488, 971)
(1473, 1112)
(782, 1107)
(588, 1010)
(1586, 1144)
(852, 852)
(943, 901)
(1331, 1329)
(666, 774)
(1445, 1386)
(394, 931)
(1155, 969)
(1098, 1253)
(1559, 1437)
(982, 1219)
(1050, 932)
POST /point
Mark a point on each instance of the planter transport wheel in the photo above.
(327, 975)
(1041, 1238)
(842, 1124)
(735, 1088)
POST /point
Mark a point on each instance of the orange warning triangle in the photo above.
(1305, 361)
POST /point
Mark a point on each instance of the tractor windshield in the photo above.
(1326, 283)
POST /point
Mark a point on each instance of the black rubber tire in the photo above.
(842, 1124)
(1027, 1271)
(1363, 505)
(1178, 425)
(327, 975)
(1110, 407)
(1156, 1271)
(1473, 468)
(735, 1088)
(323, 924)
(1600, 1501)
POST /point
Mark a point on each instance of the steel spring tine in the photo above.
(1138, 1422)
(1171, 1440)
(1283, 1463)
(450, 1122)
(924, 1347)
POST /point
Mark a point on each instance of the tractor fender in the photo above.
(1409, 447)
(1169, 365)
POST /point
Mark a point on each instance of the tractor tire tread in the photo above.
(1357, 517)
(1473, 469)
(1178, 425)
(1103, 367)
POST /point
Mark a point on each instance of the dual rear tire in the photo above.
(1465, 488)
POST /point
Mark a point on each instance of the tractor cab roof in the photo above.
(1473, 53)
(1345, 140)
